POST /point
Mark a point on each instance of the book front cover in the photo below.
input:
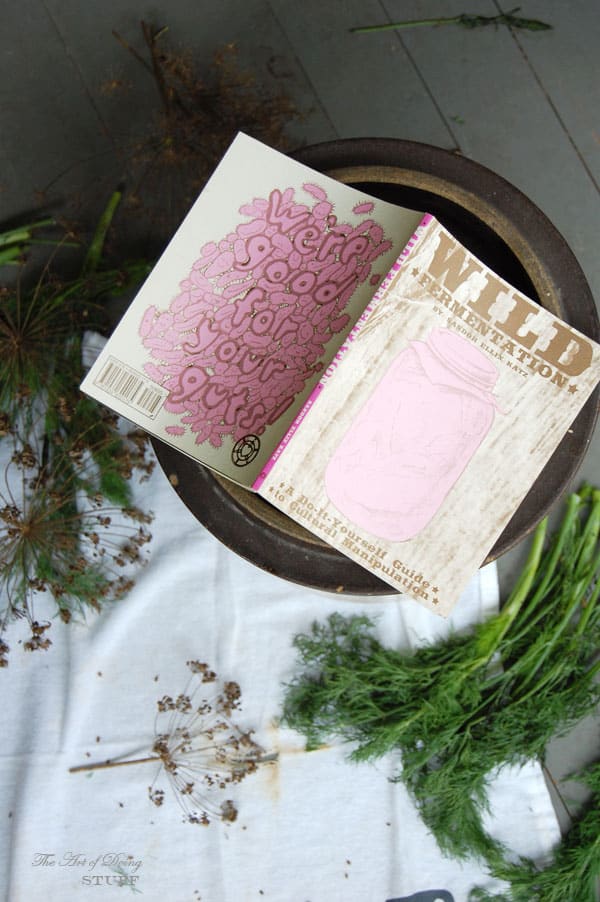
(246, 307)
(430, 426)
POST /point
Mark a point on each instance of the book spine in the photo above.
(365, 315)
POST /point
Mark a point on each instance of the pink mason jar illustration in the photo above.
(414, 436)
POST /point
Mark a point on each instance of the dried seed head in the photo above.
(201, 751)
(37, 641)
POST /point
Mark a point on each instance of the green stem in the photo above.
(466, 20)
(546, 681)
(23, 233)
(542, 655)
(589, 537)
(94, 254)
(408, 23)
(534, 611)
(10, 255)
(492, 632)
(588, 610)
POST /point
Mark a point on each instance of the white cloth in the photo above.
(311, 828)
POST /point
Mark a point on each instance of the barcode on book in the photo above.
(122, 382)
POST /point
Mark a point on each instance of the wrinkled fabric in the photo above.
(312, 827)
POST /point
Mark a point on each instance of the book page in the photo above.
(426, 433)
(246, 307)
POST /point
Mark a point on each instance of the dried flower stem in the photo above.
(202, 105)
(101, 765)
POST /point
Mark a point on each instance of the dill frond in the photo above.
(574, 871)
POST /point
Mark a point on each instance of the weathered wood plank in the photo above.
(48, 123)
(198, 30)
(568, 67)
(483, 83)
(369, 87)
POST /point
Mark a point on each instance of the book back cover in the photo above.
(245, 308)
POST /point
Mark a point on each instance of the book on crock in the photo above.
(351, 362)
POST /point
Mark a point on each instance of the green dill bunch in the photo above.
(459, 710)
(382, 700)
(363, 692)
(544, 683)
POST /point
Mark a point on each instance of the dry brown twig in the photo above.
(203, 104)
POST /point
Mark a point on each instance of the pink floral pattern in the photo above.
(251, 321)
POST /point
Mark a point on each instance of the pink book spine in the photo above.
(310, 401)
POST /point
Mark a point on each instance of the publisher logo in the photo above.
(245, 450)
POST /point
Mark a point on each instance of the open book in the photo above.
(352, 363)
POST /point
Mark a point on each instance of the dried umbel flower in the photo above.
(60, 534)
(202, 753)
(38, 639)
(67, 524)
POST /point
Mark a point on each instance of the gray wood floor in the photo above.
(524, 104)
